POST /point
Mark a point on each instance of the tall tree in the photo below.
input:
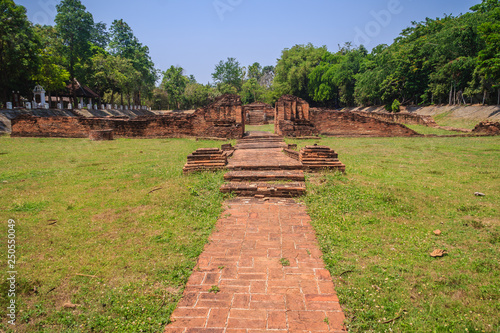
(293, 69)
(100, 35)
(174, 82)
(75, 27)
(255, 71)
(19, 47)
(51, 74)
(124, 43)
(228, 76)
(112, 74)
(489, 57)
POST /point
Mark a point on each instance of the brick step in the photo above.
(261, 140)
(205, 157)
(260, 145)
(193, 168)
(259, 176)
(263, 167)
(332, 154)
(262, 136)
(286, 190)
(318, 160)
(339, 167)
(208, 162)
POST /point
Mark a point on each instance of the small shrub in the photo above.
(285, 262)
(395, 106)
(214, 289)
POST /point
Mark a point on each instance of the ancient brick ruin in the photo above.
(204, 159)
(222, 119)
(291, 117)
(295, 119)
(259, 113)
(487, 128)
(402, 118)
(341, 123)
(104, 135)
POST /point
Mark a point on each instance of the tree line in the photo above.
(452, 60)
(112, 62)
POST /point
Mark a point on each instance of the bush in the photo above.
(395, 106)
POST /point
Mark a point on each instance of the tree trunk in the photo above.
(498, 97)
(451, 94)
(484, 97)
(121, 98)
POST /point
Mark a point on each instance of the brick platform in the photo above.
(244, 260)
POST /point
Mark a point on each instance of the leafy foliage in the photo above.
(228, 76)
(75, 26)
(19, 45)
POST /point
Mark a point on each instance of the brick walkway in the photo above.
(257, 292)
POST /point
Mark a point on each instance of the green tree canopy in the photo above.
(228, 76)
(19, 49)
(126, 45)
(51, 73)
(75, 27)
(175, 83)
(293, 69)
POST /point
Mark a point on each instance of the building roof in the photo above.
(80, 90)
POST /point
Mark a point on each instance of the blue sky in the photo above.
(197, 34)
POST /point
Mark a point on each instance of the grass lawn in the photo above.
(262, 128)
(375, 225)
(120, 214)
(115, 228)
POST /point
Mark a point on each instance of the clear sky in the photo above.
(197, 34)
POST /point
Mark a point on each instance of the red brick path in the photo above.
(257, 292)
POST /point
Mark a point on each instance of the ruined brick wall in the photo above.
(224, 116)
(340, 123)
(488, 128)
(259, 109)
(402, 118)
(295, 129)
(217, 120)
(225, 108)
(291, 117)
(56, 127)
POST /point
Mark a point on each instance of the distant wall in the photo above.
(402, 118)
(340, 123)
(259, 113)
(222, 119)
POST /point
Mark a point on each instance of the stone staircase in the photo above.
(259, 168)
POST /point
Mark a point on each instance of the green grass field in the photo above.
(263, 128)
(375, 225)
(120, 211)
(115, 228)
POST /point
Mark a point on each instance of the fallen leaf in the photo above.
(70, 305)
(437, 232)
(438, 253)
(479, 194)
